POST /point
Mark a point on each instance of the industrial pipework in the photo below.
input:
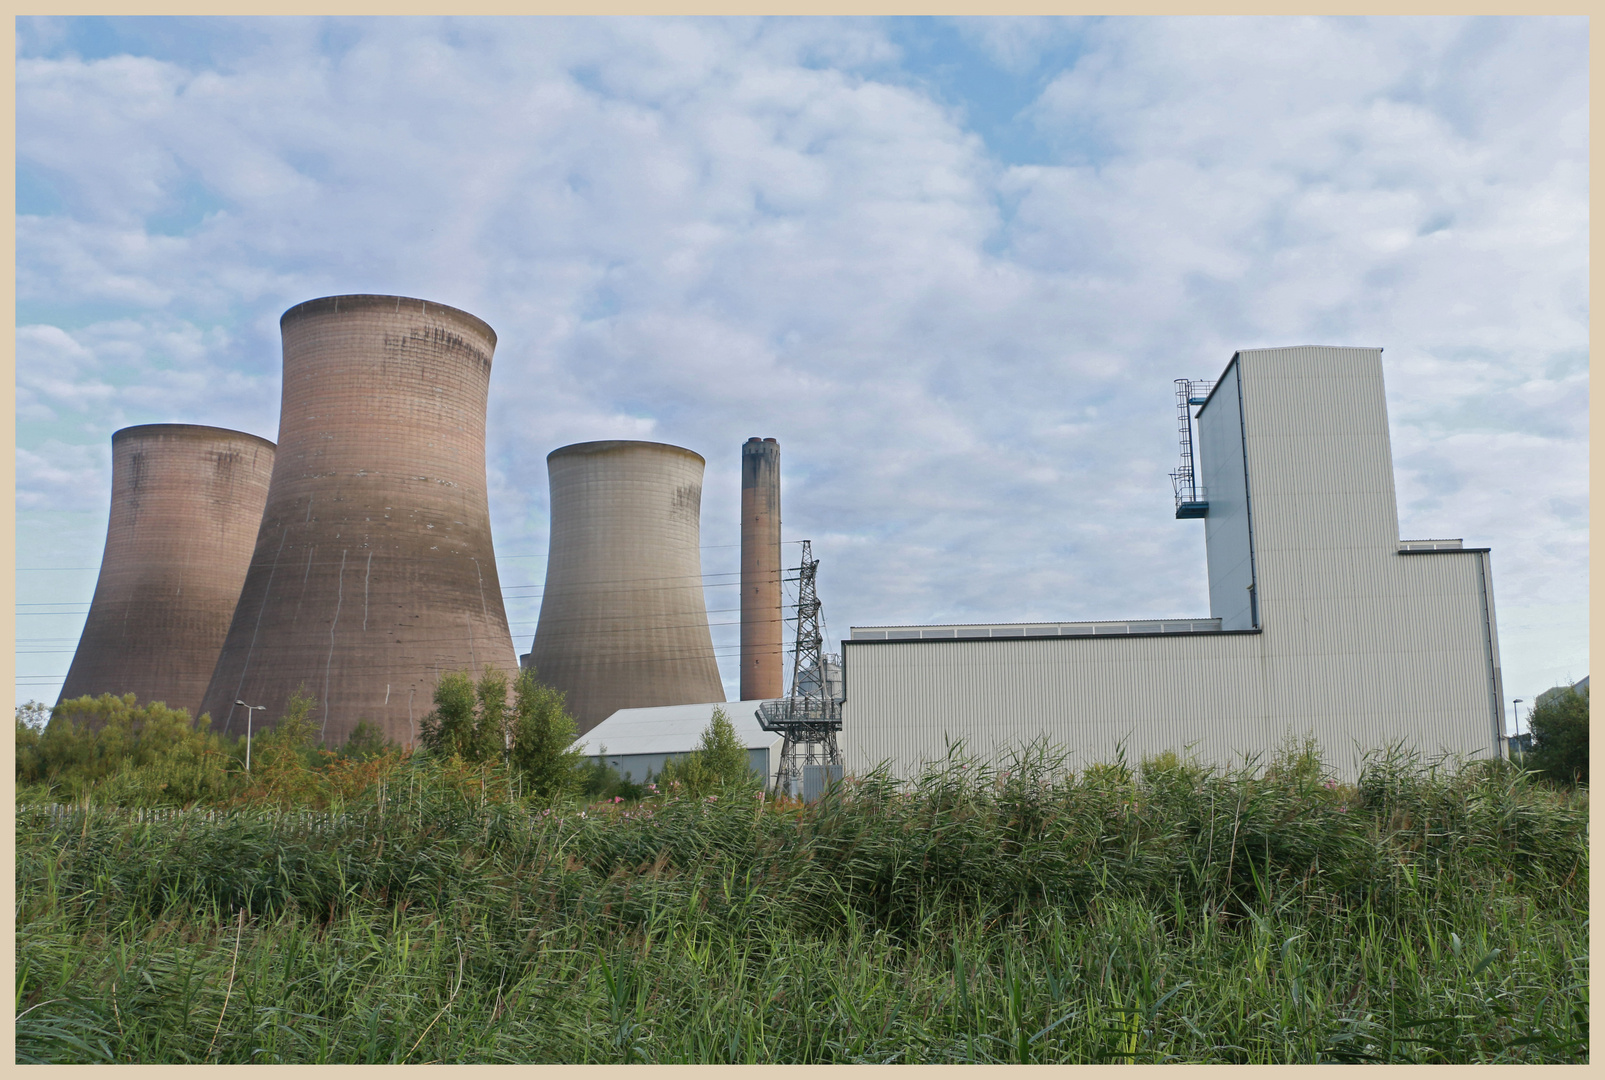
(374, 572)
(623, 623)
(185, 504)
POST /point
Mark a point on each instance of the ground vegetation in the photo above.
(431, 911)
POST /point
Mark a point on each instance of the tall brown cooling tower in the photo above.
(762, 631)
(373, 573)
(623, 623)
(185, 504)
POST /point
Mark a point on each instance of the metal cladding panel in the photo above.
(638, 768)
(623, 622)
(374, 572)
(1227, 539)
(1360, 646)
(1092, 697)
(762, 621)
(1319, 464)
(186, 501)
(1377, 646)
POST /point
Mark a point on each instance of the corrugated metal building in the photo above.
(636, 742)
(1322, 622)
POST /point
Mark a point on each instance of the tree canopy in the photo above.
(1560, 737)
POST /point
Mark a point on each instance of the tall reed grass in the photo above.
(1014, 914)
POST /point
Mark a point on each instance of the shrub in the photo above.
(366, 742)
(600, 781)
(282, 760)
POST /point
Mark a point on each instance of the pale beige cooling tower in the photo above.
(762, 631)
(623, 623)
(185, 504)
(374, 573)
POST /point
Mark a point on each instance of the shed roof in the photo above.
(673, 729)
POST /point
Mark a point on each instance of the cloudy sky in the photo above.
(952, 265)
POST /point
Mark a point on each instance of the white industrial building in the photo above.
(635, 743)
(1322, 621)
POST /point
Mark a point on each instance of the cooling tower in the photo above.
(623, 623)
(762, 631)
(373, 573)
(185, 504)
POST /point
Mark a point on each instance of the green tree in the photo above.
(720, 762)
(543, 740)
(449, 727)
(31, 720)
(686, 775)
(115, 750)
(366, 742)
(722, 751)
(282, 758)
(469, 721)
(492, 723)
(1560, 737)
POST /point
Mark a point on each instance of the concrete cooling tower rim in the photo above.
(186, 431)
(334, 305)
(607, 446)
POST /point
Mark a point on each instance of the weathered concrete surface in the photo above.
(623, 623)
(185, 504)
(374, 571)
(762, 629)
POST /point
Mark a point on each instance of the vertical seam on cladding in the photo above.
(1494, 689)
(339, 594)
(368, 573)
(1248, 509)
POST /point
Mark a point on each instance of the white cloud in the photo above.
(155, 369)
(64, 476)
(702, 230)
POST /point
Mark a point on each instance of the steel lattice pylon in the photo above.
(811, 715)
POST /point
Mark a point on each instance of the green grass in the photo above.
(1179, 915)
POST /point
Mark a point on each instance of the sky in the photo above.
(952, 265)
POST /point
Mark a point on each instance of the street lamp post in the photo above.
(1515, 716)
(248, 710)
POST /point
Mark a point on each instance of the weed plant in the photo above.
(1015, 914)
